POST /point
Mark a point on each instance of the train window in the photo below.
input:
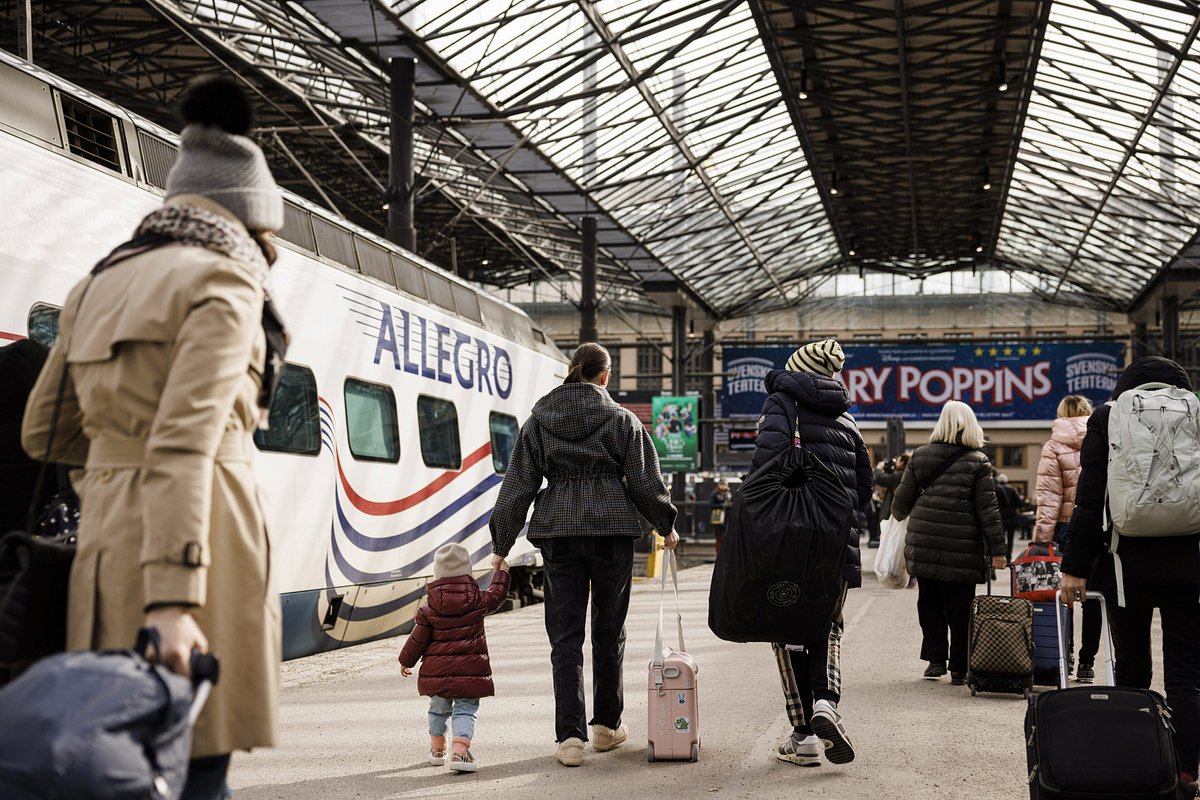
(157, 158)
(467, 302)
(409, 277)
(91, 133)
(440, 291)
(334, 242)
(371, 423)
(504, 438)
(437, 421)
(43, 323)
(294, 425)
(297, 228)
(374, 261)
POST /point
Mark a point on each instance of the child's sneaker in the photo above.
(463, 762)
(826, 722)
(805, 752)
(604, 739)
(437, 751)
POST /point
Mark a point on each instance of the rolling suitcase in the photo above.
(1045, 642)
(673, 723)
(1000, 649)
(1099, 742)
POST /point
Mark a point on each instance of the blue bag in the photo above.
(98, 726)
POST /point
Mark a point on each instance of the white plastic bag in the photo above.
(890, 566)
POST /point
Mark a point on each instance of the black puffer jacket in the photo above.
(827, 430)
(601, 469)
(1143, 559)
(948, 524)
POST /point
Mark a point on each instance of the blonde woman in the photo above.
(1057, 478)
(954, 534)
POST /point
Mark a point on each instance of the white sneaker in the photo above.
(570, 752)
(826, 722)
(605, 739)
(805, 752)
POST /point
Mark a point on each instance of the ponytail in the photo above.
(587, 363)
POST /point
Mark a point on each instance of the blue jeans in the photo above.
(460, 712)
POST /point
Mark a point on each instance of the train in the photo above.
(402, 395)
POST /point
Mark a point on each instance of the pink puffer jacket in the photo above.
(1058, 475)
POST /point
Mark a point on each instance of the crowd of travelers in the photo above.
(163, 368)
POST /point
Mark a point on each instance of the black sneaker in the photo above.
(935, 670)
(1086, 673)
(873, 544)
(958, 678)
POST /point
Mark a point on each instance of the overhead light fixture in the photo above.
(803, 95)
(978, 242)
(851, 251)
(386, 206)
(485, 262)
(833, 187)
(987, 178)
(1003, 76)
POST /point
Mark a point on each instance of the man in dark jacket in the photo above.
(1155, 572)
(806, 393)
(888, 478)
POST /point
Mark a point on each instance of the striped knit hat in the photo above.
(823, 358)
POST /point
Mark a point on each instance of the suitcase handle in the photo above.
(1106, 634)
(656, 664)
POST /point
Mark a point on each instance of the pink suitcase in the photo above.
(673, 723)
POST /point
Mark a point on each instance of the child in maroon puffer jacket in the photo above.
(448, 636)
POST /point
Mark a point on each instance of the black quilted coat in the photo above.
(827, 430)
(955, 526)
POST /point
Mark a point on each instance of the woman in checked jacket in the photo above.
(601, 472)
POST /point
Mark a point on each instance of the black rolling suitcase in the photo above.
(1099, 742)
(1045, 642)
(1000, 650)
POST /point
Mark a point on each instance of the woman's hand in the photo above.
(179, 635)
(999, 562)
(499, 564)
(406, 672)
(1072, 589)
(670, 540)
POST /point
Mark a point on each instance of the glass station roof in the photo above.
(667, 112)
(1104, 191)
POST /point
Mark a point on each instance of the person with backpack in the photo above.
(1057, 480)
(954, 534)
(601, 471)
(807, 397)
(1135, 536)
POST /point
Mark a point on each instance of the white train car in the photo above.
(404, 390)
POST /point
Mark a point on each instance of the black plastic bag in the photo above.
(778, 576)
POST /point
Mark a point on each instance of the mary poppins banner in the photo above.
(1001, 381)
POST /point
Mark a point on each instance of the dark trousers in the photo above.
(1091, 609)
(206, 779)
(813, 673)
(1178, 604)
(572, 567)
(945, 608)
(1010, 533)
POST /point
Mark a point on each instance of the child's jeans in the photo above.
(460, 712)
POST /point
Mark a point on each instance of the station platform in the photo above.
(352, 727)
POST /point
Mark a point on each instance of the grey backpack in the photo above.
(1154, 462)
(95, 726)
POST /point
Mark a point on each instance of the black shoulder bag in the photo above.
(923, 486)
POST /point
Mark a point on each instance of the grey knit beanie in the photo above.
(219, 161)
(450, 561)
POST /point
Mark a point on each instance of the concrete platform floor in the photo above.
(352, 727)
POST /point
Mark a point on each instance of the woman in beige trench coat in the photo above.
(166, 353)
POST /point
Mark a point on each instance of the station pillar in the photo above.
(1140, 333)
(679, 324)
(587, 304)
(708, 403)
(400, 197)
(1170, 326)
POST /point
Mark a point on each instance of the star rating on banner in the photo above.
(993, 350)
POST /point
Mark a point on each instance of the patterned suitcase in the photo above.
(1000, 650)
(673, 723)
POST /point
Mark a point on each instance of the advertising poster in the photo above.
(674, 426)
(1001, 381)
